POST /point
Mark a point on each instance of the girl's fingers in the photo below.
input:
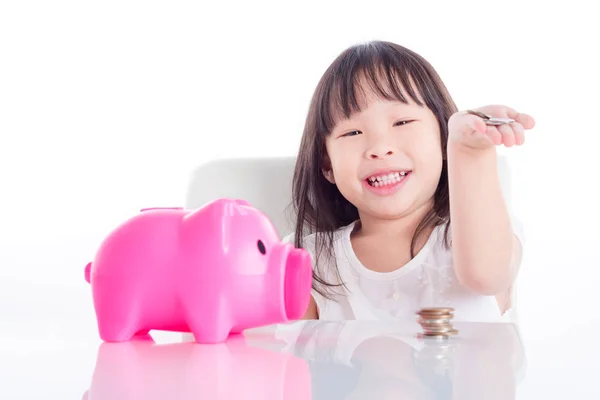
(508, 135)
(471, 128)
(494, 135)
(519, 132)
(473, 124)
(526, 120)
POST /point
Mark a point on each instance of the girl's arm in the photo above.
(486, 252)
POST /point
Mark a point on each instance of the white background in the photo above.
(106, 107)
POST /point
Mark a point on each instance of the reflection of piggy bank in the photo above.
(141, 369)
(213, 271)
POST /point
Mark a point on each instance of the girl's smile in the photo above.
(386, 183)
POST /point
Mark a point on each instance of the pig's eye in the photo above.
(261, 247)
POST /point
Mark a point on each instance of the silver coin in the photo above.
(499, 121)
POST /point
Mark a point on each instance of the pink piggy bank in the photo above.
(213, 271)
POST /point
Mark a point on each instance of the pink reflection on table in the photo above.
(141, 369)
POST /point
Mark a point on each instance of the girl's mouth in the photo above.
(387, 180)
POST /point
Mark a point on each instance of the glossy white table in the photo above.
(50, 349)
(317, 360)
(304, 360)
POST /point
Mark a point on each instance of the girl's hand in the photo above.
(471, 131)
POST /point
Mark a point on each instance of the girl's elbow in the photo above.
(485, 275)
(486, 285)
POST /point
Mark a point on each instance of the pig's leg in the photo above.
(209, 333)
(209, 320)
(119, 318)
(121, 327)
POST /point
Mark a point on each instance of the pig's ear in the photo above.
(230, 210)
(218, 215)
(229, 207)
(219, 208)
(235, 207)
(242, 202)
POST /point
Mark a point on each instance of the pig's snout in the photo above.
(298, 282)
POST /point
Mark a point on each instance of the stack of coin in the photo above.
(436, 322)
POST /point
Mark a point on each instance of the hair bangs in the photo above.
(371, 68)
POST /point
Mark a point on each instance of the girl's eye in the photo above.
(354, 133)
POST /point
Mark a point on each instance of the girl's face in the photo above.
(387, 159)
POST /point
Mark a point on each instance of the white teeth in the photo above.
(391, 178)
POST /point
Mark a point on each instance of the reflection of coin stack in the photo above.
(436, 356)
(436, 322)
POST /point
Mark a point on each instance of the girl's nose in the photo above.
(380, 151)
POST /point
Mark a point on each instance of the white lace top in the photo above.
(428, 280)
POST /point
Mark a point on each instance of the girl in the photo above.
(397, 194)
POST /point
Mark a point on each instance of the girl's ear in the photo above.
(328, 174)
(327, 170)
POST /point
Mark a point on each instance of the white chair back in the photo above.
(266, 183)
